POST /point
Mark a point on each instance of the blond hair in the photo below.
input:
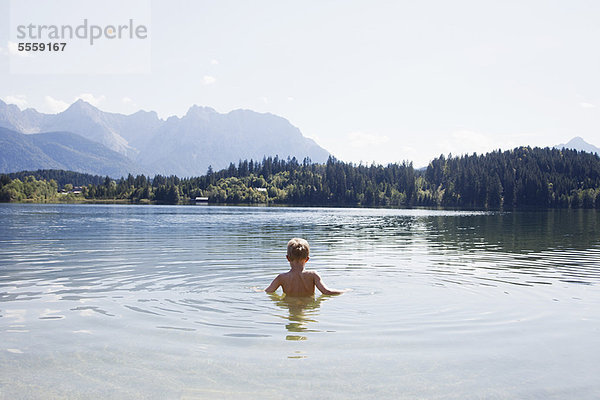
(298, 249)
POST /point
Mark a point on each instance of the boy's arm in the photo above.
(274, 285)
(324, 289)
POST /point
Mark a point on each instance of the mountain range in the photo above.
(85, 139)
(577, 143)
(60, 150)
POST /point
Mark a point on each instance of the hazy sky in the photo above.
(368, 80)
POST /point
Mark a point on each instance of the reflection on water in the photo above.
(518, 232)
(301, 311)
(528, 248)
(158, 302)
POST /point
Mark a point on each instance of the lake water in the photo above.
(104, 301)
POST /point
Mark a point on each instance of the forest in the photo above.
(522, 177)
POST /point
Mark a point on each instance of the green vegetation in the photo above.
(27, 190)
(61, 177)
(522, 177)
(518, 178)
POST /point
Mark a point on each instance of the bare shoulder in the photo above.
(313, 274)
(281, 276)
(284, 277)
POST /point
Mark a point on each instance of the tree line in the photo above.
(523, 177)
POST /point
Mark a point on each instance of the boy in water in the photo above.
(297, 281)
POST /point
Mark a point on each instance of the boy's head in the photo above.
(297, 249)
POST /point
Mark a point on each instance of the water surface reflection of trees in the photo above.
(517, 232)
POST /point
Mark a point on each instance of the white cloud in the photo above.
(54, 105)
(13, 50)
(19, 100)
(408, 152)
(474, 141)
(90, 98)
(290, 98)
(208, 80)
(472, 137)
(464, 141)
(586, 105)
(264, 99)
(214, 62)
(362, 139)
(129, 102)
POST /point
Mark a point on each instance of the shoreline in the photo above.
(279, 205)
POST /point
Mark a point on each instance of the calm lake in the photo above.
(113, 301)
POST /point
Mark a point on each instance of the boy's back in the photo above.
(297, 281)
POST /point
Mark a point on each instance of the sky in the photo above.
(382, 81)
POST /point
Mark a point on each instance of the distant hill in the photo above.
(577, 143)
(522, 177)
(60, 150)
(61, 177)
(187, 146)
(182, 146)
